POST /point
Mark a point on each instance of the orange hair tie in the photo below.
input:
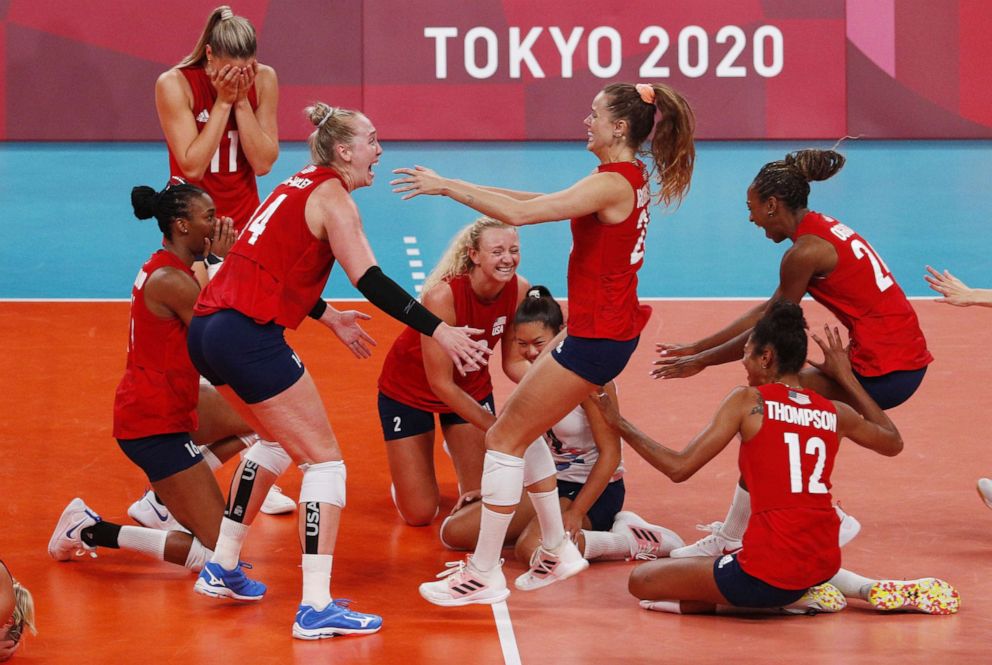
(646, 91)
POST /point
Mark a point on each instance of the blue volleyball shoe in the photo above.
(216, 581)
(335, 619)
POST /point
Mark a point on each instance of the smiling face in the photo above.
(362, 154)
(601, 128)
(498, 254)
(532, 337)
(767, 215)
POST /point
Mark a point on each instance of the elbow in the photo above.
(264, 166)
(679, 475)
(193, 172)
(895, 447)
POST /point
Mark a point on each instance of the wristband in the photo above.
(318, 309)
(394, 300)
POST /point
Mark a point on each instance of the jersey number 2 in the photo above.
(814, 446)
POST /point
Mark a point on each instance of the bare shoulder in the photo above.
(172, 84)
(439, 298)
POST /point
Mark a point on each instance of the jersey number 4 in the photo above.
(256, 226)
(814, 446)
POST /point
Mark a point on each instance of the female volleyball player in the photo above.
(609, 212)
(789, 436)
(272, 278)
(217, 109)
(155, 407)
(475, 284)
(577, 460)
(841, 271)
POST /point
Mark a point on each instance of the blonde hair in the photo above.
(455, 261)
(23, 613)
(334, 127)
(227, 34)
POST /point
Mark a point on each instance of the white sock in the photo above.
(146, 541)
(212, 460)
(317, 580)
(738, 515)
(605, 546)
(492, 532)
(548, 511)
(197, 556)
(852, 585)
(228, 552)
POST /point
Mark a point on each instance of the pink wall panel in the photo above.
(85, 70)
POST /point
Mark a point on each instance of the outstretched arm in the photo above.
(592, 194)
(806, 258)
(955, 292)
(331, 215)
(681, 465)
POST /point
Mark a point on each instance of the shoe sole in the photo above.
(928, 595)
(470, 600)
(556, 576)
(301, 633)
(222, 592)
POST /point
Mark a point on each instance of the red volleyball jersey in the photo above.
(160, 388)
(791, 538)
(277, 269)
(863, 295)
(403, 376)
(229, 179)
(603, 265)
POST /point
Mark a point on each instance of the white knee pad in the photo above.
(269, 455)
(538, 462)
(502, 479)
(198, 556)
(324, 483)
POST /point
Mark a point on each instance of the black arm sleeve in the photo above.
(393, 299)
(318, 309)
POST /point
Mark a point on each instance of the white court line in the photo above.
(504, 628)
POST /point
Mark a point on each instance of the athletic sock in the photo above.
(228, 552)
(146, 541)
(605, 546)
(851, 584)
(548, 511)
(502, 485)
(317, 580)
(492, 532)
(738, 515)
